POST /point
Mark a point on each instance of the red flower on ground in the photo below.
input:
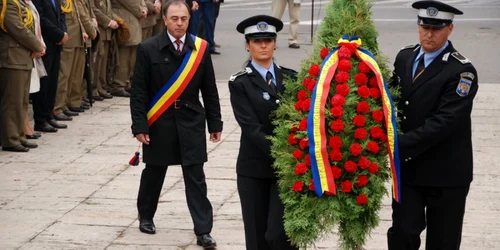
(304, 143)
(376, 133)
(324, 52)
(362, 107)
(373, 82)
(362, 199)
(363, 162)
(375, 93)
(303, 124)
(346, 186)
(314, 70)
(335, 142)
(298, 105)
(364, 91)
(362, 181)
(373, 168)
(344, 65)
(311, 185)
(342, 89)
(336, 172)
(361, 79)
(345, 53)
(359, 121)
(306, 105)
(350, 166)
(337, 111)
(301, 168)
(337, 126)
(355, 149)
(292, 140)
(373, 147)
(377, 115)
(341, 77)
(363, 67)
(307, 160)
(302, 94)
(337, 100)
(297, 154)
(360, 133)
(298, 186)
(335, 155)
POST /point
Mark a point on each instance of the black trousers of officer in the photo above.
(43, 100)
(441, 209)
(262, 211)
(196, 195)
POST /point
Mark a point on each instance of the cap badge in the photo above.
(262, 26)
(431, 11)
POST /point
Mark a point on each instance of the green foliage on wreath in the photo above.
(307, 217)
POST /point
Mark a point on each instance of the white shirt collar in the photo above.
(172, 38)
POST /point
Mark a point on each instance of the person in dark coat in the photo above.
(255, 93)
(177, 136)
(438, 86)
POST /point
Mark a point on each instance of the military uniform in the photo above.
(253, 99)
(436, 146)
(104, 15)
(149, 22)
(17, 43)
(87, 18)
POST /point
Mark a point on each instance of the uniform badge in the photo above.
(431, 11)
(262, 26)
(465, 83)
(266, 96)
(445, 57)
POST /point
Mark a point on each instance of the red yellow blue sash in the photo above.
(178, 82)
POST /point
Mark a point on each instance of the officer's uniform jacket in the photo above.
(75, 28)
(253, 102)
(150, 20)
(131, 12)
(86, 16)
(104, 15)
(436, 145)
(178, 136)
(17, 42)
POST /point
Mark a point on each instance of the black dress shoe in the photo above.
(147, 226)
(76, 109)
(44, 127)
(206, 241)
(214, 52)
(29, 144)
(18, 148)
(70, 113)
(85, 107)
(294, 46)
(62, 117)
(85, 99)
(33, 136)
(98, 98)
(55, 124)
(106, 95)
(121, 93)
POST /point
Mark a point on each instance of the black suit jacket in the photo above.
(53, 24)
(253, 102)
(436, 147)
(178, 136)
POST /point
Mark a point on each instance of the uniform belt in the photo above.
(179, 104)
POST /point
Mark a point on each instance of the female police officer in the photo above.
(254, 96)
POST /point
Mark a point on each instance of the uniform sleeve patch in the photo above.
(465, 83)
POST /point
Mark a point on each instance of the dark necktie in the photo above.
(53, 3)
(178, 42)
(420, 67)
(269, 80)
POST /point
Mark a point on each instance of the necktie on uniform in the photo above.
(420, 67)
(269, 80)
(178, 42)
(53, 3)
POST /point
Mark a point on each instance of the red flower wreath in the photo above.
(362, 199)
(314, 70)
(361, 79)
(364, 91)
(342, 89)
(337, 126)
(355, 149)
(292, 140)
(337, 112)
(301, 95)
(377, 115)
(363, 67)
(362, 181)
(324, 52)
(362, 107)
(344, 65)
(363, 162)
(342, 77)
(337, 172)
(298, 186)
(346, 186)
(338, 100)
(350, 166)
(336, 155)
(301, 168)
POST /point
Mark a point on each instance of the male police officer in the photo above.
(438, 86)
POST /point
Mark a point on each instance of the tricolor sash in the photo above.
(174, 87)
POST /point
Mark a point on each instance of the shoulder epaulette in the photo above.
(460, 57)
(237, 74)
(411, 46)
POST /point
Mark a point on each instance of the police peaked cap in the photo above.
(435, 13)
(260, 26)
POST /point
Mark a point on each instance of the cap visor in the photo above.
(261, 35)
(433, 22)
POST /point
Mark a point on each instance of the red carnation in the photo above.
(362, 199)
(336, 172)
(306, 104)
(342, 89)
(298, 186)
(304, 143)
(355, 149)
(345, 53)
(300, 168)
(346, 186)
(307, 160)
(363, 67)
(341, 77)
(373, 82)
(344, 65)
(383, 138)
(294, 128)
(375, 93)
(297, 153)
(377, 115)
(302, 94)
(337, 111)
(364, 91)
(359, 121)
(298, 105)
(362, 181)
(311, 85)
(337, 100)
(311, 185)
(350, 166)
(292, 140)
(361, 79)
(308, 83)
(360, 133)
(373, 147)
(314, 70)
(335, 142)
(363, 162)
(376, 133)
(337, 126)
(324, 52)
(362, 107)
(303, 124)
(335, 155)
(373, 168)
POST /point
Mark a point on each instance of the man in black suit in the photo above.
(438, 86)
(54, 34)
(175, 134)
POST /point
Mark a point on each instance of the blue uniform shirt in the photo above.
(263, 71)
(428, 57)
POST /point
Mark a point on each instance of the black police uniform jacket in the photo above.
(436, 145)
(253, 102)
(178, 136)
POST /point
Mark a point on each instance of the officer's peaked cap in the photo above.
(260, 26)
(435, 13)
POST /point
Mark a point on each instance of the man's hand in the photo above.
(215, 137)
(113, 25)
(85, 37)
(94, 22)
(94, 36)
(195, 6)
(144, 138)
(64, 39)
(144, 13)
(157, 7)
(37, 55)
